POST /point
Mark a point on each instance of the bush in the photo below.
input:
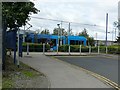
(115, 49)
(63, 48)
(35, 47)
(73, 48)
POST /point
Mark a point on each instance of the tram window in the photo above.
(72, 42)
(54, 42)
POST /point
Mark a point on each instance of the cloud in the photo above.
(81, 11)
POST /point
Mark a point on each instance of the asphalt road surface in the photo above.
(105, 66)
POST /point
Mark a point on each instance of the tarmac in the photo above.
(60, 74)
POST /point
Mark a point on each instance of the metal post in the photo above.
(80, 49)
(58, 33)
(43, 48)
(112, 37)
(3, 42)
(69, 30)
(89, 49)
(98, 49)
(24, 34)
(18, 47)
(61, 34)
(57, 48)
(106, 50)
(69, 49)
(27, 48)
(115, 33)
(106, 27)
(96, 40)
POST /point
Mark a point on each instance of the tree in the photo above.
(118, 40)
(14, 15)
(84, 33)
(17, 13)
(61, 31)
(90, 40)
(46, 31)
(116, 25)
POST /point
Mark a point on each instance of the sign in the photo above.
(11, 39)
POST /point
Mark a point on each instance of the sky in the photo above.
(81, 12)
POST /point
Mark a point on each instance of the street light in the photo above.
(60, 29)
(58, 33)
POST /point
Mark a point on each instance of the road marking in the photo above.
(74, 56)
(101, 78)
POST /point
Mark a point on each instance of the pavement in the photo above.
(60, 74)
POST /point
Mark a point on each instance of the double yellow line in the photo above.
(101, 78)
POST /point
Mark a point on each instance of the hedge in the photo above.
(35, 47)
(76, 48)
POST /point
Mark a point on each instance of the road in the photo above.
(105, 66)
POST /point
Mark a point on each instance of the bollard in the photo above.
(43, 48)
(57, 48)
(106, 50)
(80, 49)
(89, 49)
(69, 49)
(98, 49)
(27, 48)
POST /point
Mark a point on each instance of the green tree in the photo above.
(118, 40)
(61, 31)
(116, 24)
(17, 13)
(84, 33)
(90, 40)
(46, 31)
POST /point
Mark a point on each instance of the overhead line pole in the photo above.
(106, 27)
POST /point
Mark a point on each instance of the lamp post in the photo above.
(58, 33)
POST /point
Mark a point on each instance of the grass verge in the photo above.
(14, 77)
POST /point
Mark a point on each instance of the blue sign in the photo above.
(11, 39)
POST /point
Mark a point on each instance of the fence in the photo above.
(30, 47)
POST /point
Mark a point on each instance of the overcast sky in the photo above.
(92, 12)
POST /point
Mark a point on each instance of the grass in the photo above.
(28, 74)
(8, 83)
(12, 73)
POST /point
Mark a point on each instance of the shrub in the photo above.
(35, 47)
(115, 49)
